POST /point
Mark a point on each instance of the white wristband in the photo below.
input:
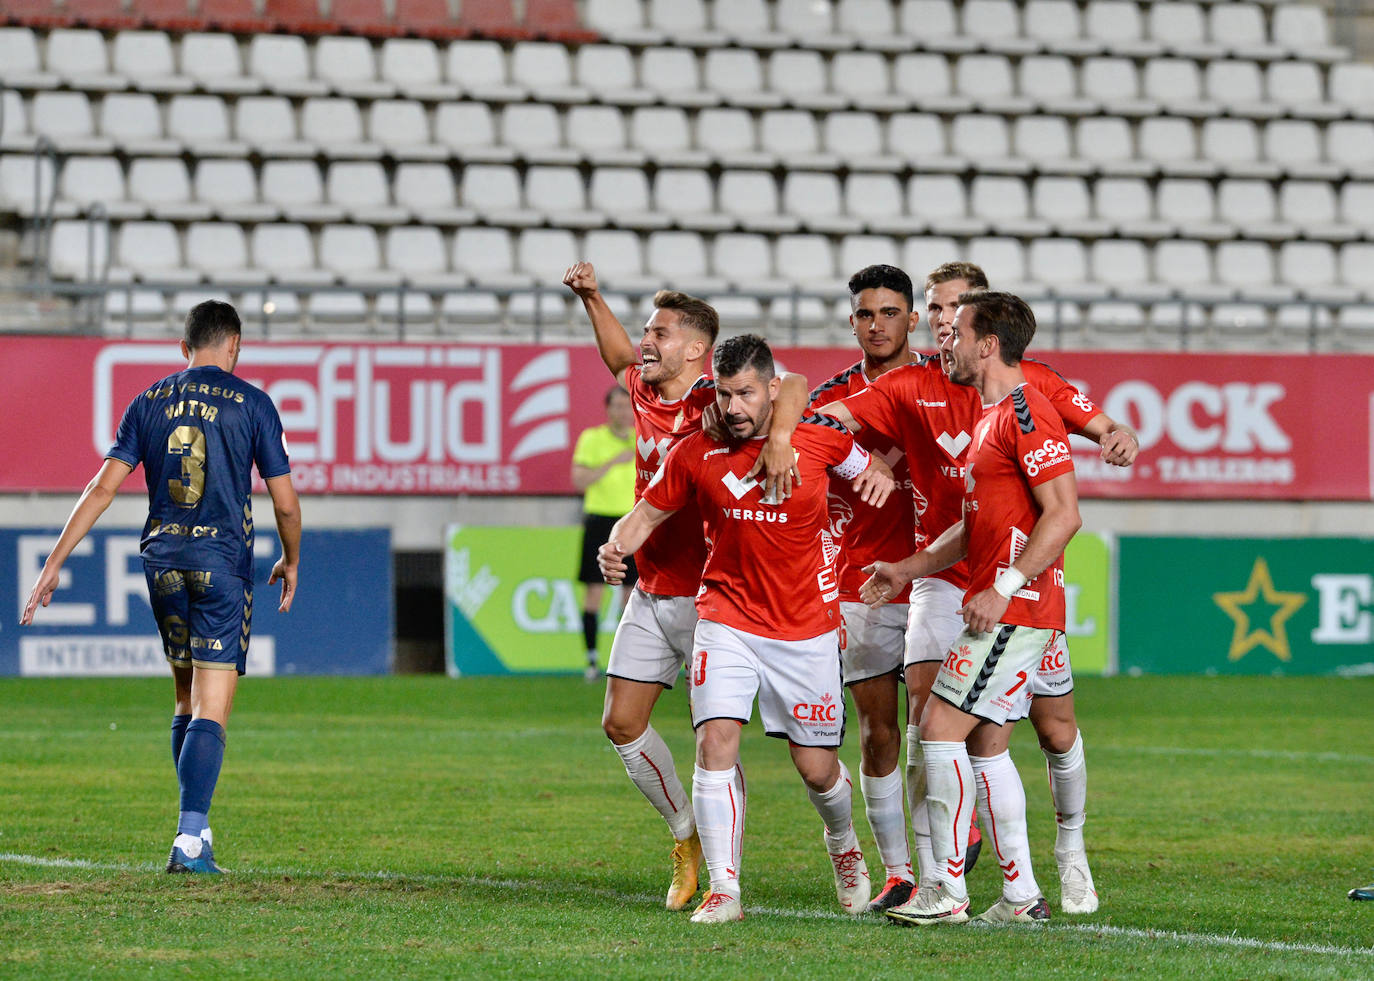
(1008, 582)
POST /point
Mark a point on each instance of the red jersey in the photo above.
(670, 561)
(770, 568)
(934, 419)
(1020, 443)
(867, 534)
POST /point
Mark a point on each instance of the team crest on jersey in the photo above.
(648, 447)
(953, 445)
(738, 486)
(830, 551)
(841, 514)
(922, 502)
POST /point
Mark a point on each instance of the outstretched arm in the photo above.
(611, 340)
(89, 507)
(287, 508)
(887, 579)
(626, 538)
(1119, 442)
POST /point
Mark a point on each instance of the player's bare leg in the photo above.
(832, 794)
(198, 764)
(717, 790)
(878, 705)
(1057, 728)
(625, 720)
(919, 678)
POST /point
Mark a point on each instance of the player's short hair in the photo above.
(612, 392)
(734, 354)
(883, 277)
(210, 323)
(1004, 315)
(695, 312)
(949, 271)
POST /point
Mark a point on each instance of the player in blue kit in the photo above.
(198, 434)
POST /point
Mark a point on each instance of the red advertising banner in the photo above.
(443, 419)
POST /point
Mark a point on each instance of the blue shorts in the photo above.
(204, 617)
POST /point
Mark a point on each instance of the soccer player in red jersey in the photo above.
(883, 319)
(769, 623)
(935, 418)
(668, 388)
(1020, 510)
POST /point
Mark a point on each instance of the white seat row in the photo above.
(355, 255)
(996, 24)
(539, 133)
(349, 66)
(755, 200)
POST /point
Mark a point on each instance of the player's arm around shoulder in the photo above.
(286, 507)
(778, 459)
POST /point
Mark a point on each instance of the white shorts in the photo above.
(990, 675)
(654, 638)
(1054, 676)
(873, 640)
(933, 621)
(797, 682)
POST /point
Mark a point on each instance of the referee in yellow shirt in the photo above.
(603, 468)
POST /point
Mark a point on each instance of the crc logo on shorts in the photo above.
(1051, 453)
(826, 711)
(958, 661)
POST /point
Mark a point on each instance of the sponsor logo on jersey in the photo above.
(953, 445)
(1050, 453)
(827, 710)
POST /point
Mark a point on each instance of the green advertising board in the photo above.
(512, 602)
(1246, 605)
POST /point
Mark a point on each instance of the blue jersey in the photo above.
(198, 434)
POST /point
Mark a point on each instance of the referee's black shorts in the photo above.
(596, 529)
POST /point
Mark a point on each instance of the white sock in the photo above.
(1002, 807)
(650, 766)
(950, 798)
(886, 818)
(836, 808)
(719, 814)
(1069, 789)
(916, 801)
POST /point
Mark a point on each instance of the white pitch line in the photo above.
(1132, 933)
(1296, 756)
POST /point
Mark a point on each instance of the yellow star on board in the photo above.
(1259, 592)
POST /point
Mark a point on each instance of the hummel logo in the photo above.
(953, 445)
(737, 486)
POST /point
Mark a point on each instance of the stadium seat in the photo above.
(747, 23)
(1127, 204)
(996, 26)
(164, 186)
(746, 260)
(295, 187)
(1170, 142)
(134, 122)
(1310, 268)
(532, 130)
(233, 16)
(1350, 145)
(362, 190)
(268, 123)
(411, 66)
(870, 24)
(1176, 84)
(1249, 266)
(1066, 204)
(145, 58)
(87, 181)
(478, 68)
(430, 192)
(1296, 146)
(494, 192)
(105, 15)
(1180, 27)
(858, 251)
(1311, 205)
(941, 202)
(1238, 86)
(282, 63)
(620, 19)
(1046, 142)
(805, 262)
(1123, 266)
(923, 253)
(679, 19)
(336, 127)
(559, 194)
(791, 135)
(877, 200)
(1186, 266)
(1117, 24)
(811, 23)
(428, 18)
(622, 194)
(20, 176)
(1050, 82)
(815, 198)
(985, 139)
(1189, 204)
(862, 78)
(735, 75)
(201, 122)
(230, 188)
(1058, 26)
(1297, 86)
(487, 256)
(856, 140)
(800, 77)
(19, 55)
(401, 128)
(418, 253)
(936, 24)
(543, 253)
(353, 253)
(1060, 266)
(1234, 145)
(298, 17)
(1114, 83)
(750, 198)
(728, 135)
(349, 67)
(688, 197)
(608, 72)
(663, 134)
(468, 129)
(925, 80)
(152, 250)
(987, 79)
(1351, 85)
(365, 17)
(80, 59)
(680, 257)
(287, 253)
(65, 118)
(598, 134)
(1239, 27)
(673, 75)
(546, 70)
(1107, 144)
(213, 62)
(1002, 258)
(218, 251)
(1301, 28)
(74, 245)
(619, 260)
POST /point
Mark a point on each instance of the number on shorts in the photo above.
(188, 443)
(1020, 680)
(699, 675)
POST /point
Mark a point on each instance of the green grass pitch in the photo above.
(431, 828)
